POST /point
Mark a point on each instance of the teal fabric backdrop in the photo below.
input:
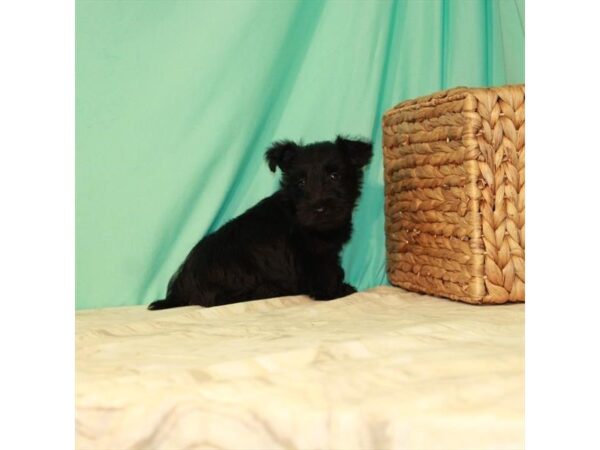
(176, 102)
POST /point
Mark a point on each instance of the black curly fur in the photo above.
(287, 244)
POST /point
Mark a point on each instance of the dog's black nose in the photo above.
(323, 206)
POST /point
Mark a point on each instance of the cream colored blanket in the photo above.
(383, 369)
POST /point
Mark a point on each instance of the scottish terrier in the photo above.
(288, 243)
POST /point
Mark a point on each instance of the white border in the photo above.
(37, 225)
(563, 198)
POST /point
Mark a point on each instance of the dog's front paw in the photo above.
(346, 289)
(342, 290)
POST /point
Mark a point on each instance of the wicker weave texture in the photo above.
(455, 194)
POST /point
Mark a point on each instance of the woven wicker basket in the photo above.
(455, 194)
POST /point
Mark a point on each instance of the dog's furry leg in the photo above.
(340, 291)
(346, 289)
(329, 284)
(164, 304)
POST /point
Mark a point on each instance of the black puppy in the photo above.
(287, 244)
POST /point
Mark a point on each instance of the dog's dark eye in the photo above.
(334, 176)
(301, 182)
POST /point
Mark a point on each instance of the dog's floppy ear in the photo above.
(280, 154)
(358, 151)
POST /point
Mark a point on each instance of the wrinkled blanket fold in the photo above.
(380, 369)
